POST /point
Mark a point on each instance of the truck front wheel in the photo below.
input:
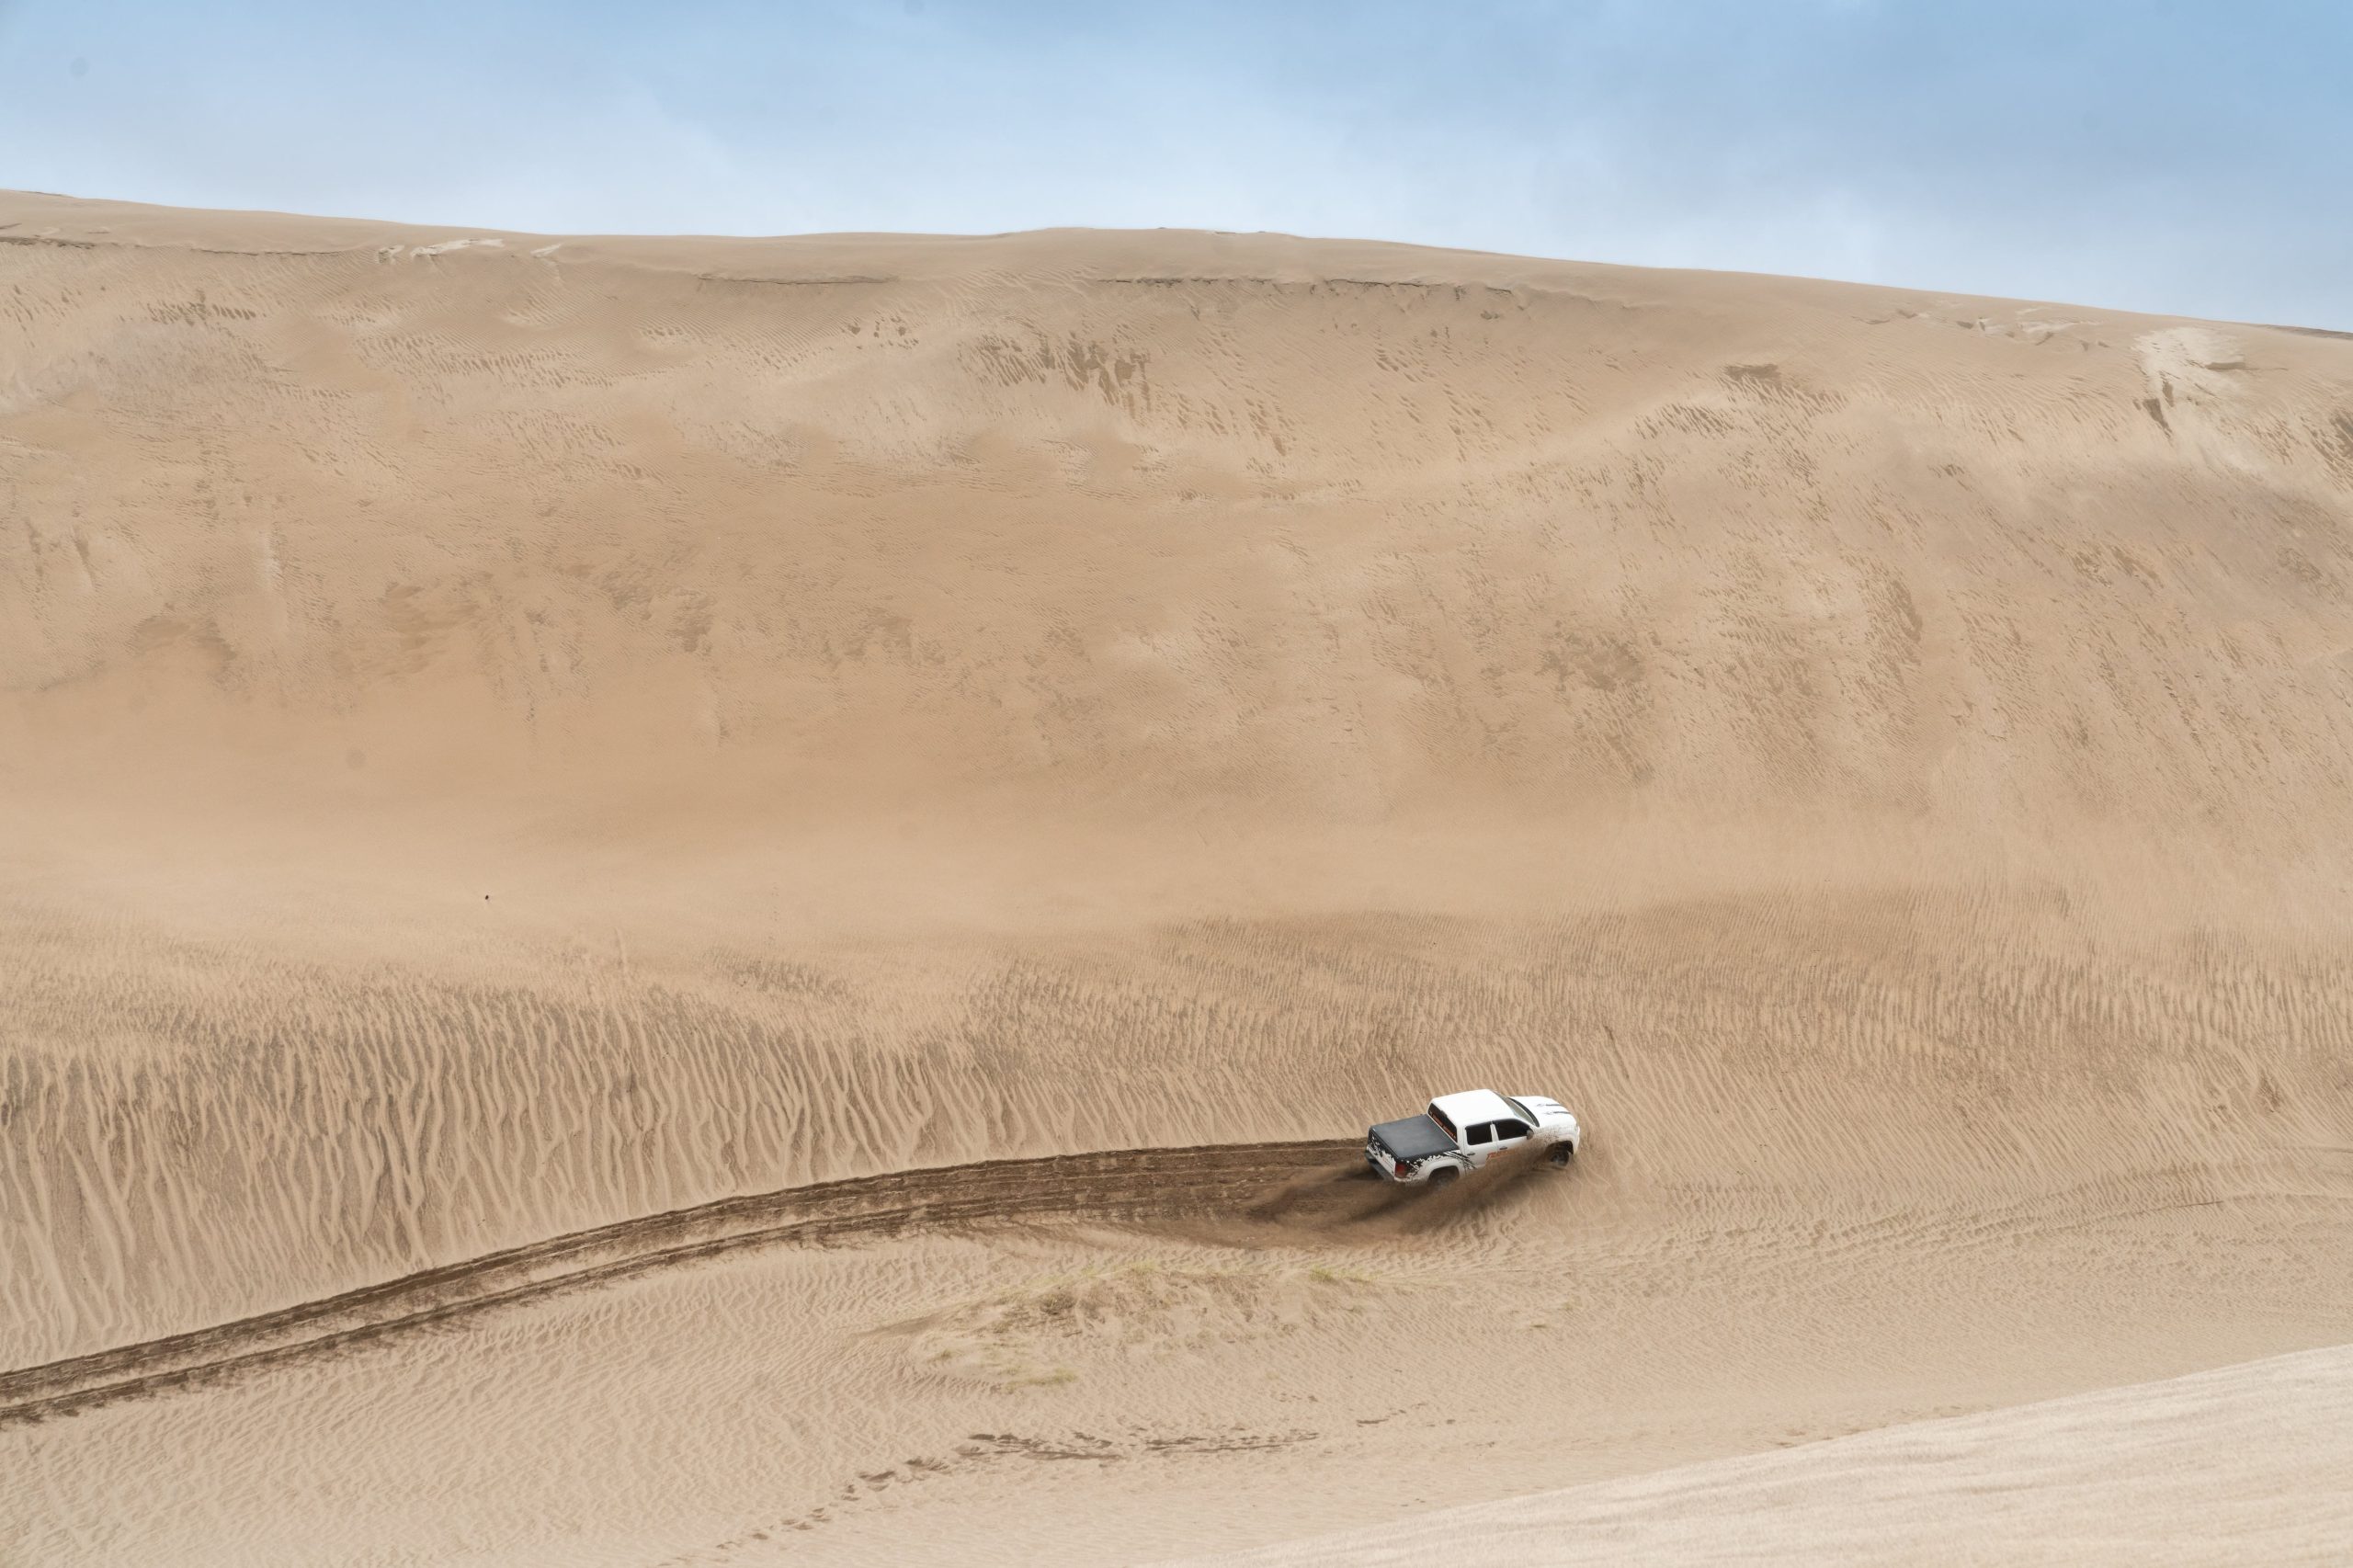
(1560, 1154)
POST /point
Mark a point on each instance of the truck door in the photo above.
(1479, 1142)
(1508, 1135)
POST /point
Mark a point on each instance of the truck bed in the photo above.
(1413, 1138)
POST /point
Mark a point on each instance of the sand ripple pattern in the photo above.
(266, 1135)
(1122, 1185)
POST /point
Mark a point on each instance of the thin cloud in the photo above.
(2175, 164)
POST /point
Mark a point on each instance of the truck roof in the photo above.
(1473, 1107)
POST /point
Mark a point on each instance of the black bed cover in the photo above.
(1413, 1138)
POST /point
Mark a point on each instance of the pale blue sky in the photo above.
(2178, 157)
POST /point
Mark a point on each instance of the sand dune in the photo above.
(406, 1120)
(1122, 1183)
(1047, 1391)
(522, 757)
(2248, 1464)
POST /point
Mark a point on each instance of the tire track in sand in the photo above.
(1122, 1184)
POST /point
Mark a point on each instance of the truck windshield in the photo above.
(1532, 1118)
(1445, 1126)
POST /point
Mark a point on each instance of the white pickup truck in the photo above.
(1462, 1133)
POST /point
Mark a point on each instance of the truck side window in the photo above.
(1508, 1131)
(1484, 1134)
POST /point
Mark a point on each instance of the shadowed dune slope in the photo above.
(501, 736)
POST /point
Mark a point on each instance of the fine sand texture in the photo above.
(2248, 1464)
(722, 900)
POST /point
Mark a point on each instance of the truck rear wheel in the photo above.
(1444, 1174)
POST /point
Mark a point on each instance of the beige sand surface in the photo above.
(511, 740)
(2248, 1464)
